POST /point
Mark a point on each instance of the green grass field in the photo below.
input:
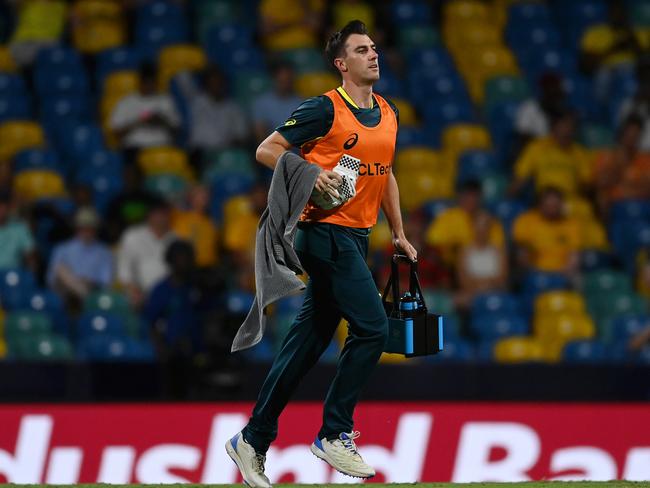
(534, 484)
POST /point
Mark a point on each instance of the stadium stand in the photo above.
(464, 75)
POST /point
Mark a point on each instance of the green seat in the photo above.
(215, 12)
(41, 347)
(250, 85)
(133, 325)
(107, 301)
(168, 186)
(19, 324)
(439, 302)
(495, 186)
(228, 161)
(505, 89)
(596, 136)
(305, 60)
(605, 281)
(639, 13)
(607, 306)
(418, 36)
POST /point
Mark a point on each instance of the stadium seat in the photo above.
(585, 352)
(493, 326)
(553, 302)
(505, 88)
(313, 84)
(304, 60)
(238, 302)
(30, 159)
(215, 12)
(100, 323)
(476, 164)
(38, 184)
(15, 107)
(457, 351)
(536, 282)
(417, 36)
(24, 323)
(462, 137)
(407, 114)
(165, 160)
(118, 59)
(418, 188)
(47, 347)
(462, 11)
(99, 25)
(625, 327)
(507, 211)
(605, 282)
(7, 62)
(227, 161)
(56, 81)
(174, 59)
(250, 85)
(11, 84)
(169, 186)
(18, 135)
(595, 260)
(411, 12)
(596, 136)
(114, 349)
(521, 349)
(416, 159)
(107, 301)
(121, 83)
(58, 58)
(438, 301)
(495, 303)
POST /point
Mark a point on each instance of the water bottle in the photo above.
(408, 307)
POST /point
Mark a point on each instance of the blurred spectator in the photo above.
(546, 238)
(147, 118)
(40, 23)
(130, 207)
(196, 227)
(533, 115)
(454, 228)
(171, 307)
(81, 264)
(140, 254)
(623, 172)
(171, 311)
(640, 339)
(556, 160)
(482, 266)
(216, 121)
(290, 24)
(639, 104)
(272, 109)
(609, 47)
(17, 247)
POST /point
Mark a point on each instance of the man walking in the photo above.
(349, 124)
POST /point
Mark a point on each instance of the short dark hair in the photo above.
(562, 113)
(148, 71)
(336, 44)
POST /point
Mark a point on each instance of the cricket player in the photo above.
(350, 123)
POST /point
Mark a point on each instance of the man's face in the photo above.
(159, 220)
(470, 201)
(552, 206)
(86, 234)
(360, 60)
(564, 130)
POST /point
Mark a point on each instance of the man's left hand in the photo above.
(402, 244)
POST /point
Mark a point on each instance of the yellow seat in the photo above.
(458, 138)
(18, 135)
(520, 349)
(494, 61)
(554, 302)
(417, 188)
(407, 115)
(98, 25)
(470, 36)
(313, 84)
(177, 58)
(121, 83)
(165, 160)
(7, 63)
(460, 11)
(239, 235)
(380, 237)
(563, 327)
(235, 208)
(3, 348)
(415, 159)
(35, 184)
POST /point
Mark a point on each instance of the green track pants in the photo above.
(340, 285)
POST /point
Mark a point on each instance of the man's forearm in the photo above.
(391, 208)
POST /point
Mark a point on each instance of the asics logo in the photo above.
(351, 141)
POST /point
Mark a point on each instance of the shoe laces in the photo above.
(258, 463)
(348, 440)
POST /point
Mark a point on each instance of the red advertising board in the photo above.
(405, 442)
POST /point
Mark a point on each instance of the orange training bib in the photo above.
(374, 146)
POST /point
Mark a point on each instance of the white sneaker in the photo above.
(249, 462)
(342, 455)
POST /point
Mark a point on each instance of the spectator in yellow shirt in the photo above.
(454, 228)
(548, 240)
(556, 160)
(197, 228)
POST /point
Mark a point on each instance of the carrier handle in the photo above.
(393, 280)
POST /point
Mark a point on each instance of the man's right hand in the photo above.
(327, 180)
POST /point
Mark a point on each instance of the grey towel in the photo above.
(276, 262)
